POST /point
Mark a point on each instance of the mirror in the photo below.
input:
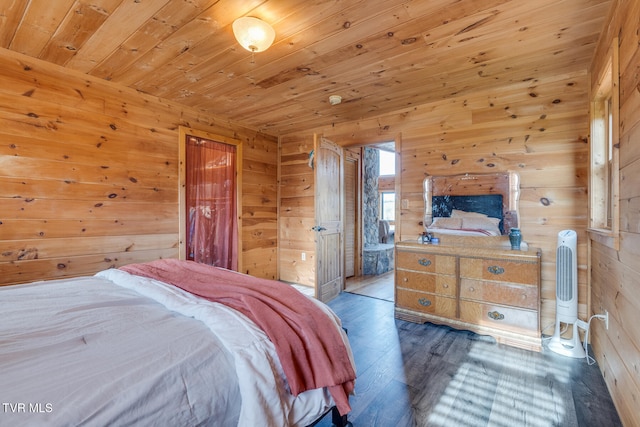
(491, 195)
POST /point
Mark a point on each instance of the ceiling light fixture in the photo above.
(253, 34)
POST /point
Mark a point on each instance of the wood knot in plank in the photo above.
(30, 253)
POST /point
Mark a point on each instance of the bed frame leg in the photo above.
(339, 420)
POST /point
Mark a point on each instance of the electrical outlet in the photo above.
(405, 203)
(303, 256)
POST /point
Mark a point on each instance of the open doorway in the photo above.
(210, 198)
(373, 201)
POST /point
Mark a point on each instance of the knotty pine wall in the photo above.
(538, 128)
(89, 176)
(297, 211)
(615, 275)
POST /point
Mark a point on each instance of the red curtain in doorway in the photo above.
(212, 227)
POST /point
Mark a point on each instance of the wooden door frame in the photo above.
(350, 153)
(183, 132)
(398, 177)
(398, 188)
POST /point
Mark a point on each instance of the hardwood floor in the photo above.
(379, 286)
(428, 375)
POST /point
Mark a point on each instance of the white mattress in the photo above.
(88, 351)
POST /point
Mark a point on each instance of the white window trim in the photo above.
(381, 205)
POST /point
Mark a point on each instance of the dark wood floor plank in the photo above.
(428, 375)
(389, 408)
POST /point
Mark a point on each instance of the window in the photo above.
(604, 156)
(387, 163)
(388, 206)
(386, 185)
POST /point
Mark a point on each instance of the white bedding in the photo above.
(88, 352)
(460, 232)
(463, 223)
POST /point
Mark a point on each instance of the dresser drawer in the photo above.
(426, 303)
(500, 317)
(442, 284)
(524, 296)
(500, 270)
(430, 263)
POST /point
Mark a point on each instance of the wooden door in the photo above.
(329, 210)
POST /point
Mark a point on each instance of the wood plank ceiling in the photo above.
(379, 55)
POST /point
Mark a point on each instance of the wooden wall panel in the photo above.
(615, 275)
(538, 128)
(260, 205)
(517, 132)
(297, 211)
(89, 175)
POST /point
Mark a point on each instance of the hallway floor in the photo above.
(379, 286)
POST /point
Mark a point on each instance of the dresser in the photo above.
(489, 290)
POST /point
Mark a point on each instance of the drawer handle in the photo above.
(495, 269)
(424, 262)
(445, 286)
(471, 289)
(495, 315)
(424, 302)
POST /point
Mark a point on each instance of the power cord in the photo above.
(590, 360)
(548, 337)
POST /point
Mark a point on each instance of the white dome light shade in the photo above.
(253, 34)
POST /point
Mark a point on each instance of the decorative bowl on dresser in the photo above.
(489, 289)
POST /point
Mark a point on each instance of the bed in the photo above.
(151, 344)
(471, 204)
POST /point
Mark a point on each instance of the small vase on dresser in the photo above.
(515, 237)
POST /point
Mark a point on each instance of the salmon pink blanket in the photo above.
(310, 348)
